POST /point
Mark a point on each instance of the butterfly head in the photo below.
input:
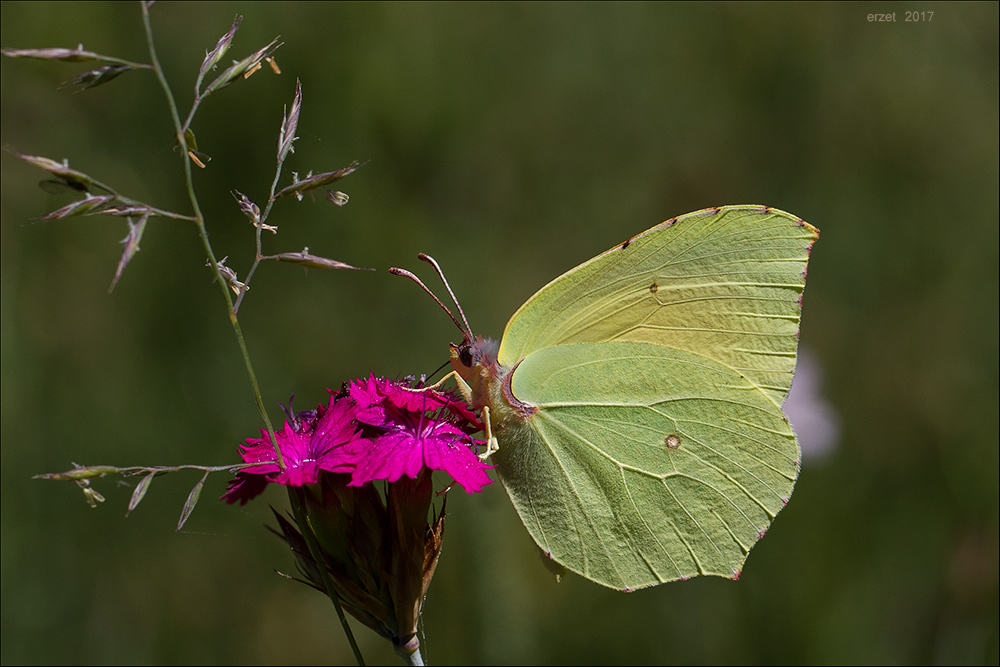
(472, 354)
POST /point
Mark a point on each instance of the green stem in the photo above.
(260, 227)
(203, 233)
(297, 497)
(87, 472)
(127, 63)
(128, 201)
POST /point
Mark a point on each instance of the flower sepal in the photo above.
(380, 556)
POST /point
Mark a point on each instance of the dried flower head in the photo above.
(76, 180)
(241, 69)
(97, 77)
(213, 57)
(286, 136)
(313, 182)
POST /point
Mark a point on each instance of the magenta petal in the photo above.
(464, 414)
(334, 432)
(381, 430)
(302, 473)
(414, 400)
(307, 452)
(387, 457)
(458, 461)
(244, 488)
(368, 408)
(313, 444)
(259, 450)
(414, 443)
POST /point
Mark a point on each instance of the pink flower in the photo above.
(408, 429)
(379, 550)
(308, 444)
(376, 429)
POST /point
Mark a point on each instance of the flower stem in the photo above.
(295, 496)
(199, 220)
(260, 227)
(410, 652)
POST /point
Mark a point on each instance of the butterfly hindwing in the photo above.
(644, 464)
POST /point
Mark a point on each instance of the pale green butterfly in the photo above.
(636, 400)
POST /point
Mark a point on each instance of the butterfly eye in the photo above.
(465, 356)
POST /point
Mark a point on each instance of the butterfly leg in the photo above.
(439, 383)
(463, 386)
(492, 444)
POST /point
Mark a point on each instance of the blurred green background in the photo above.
(512, 142)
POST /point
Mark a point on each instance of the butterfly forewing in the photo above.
(723, 283)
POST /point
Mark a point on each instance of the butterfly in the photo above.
(634, 402)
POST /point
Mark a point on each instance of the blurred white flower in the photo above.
(814, 419)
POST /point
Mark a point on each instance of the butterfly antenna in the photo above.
(439, 369)
(406, 274)
(430, 260)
